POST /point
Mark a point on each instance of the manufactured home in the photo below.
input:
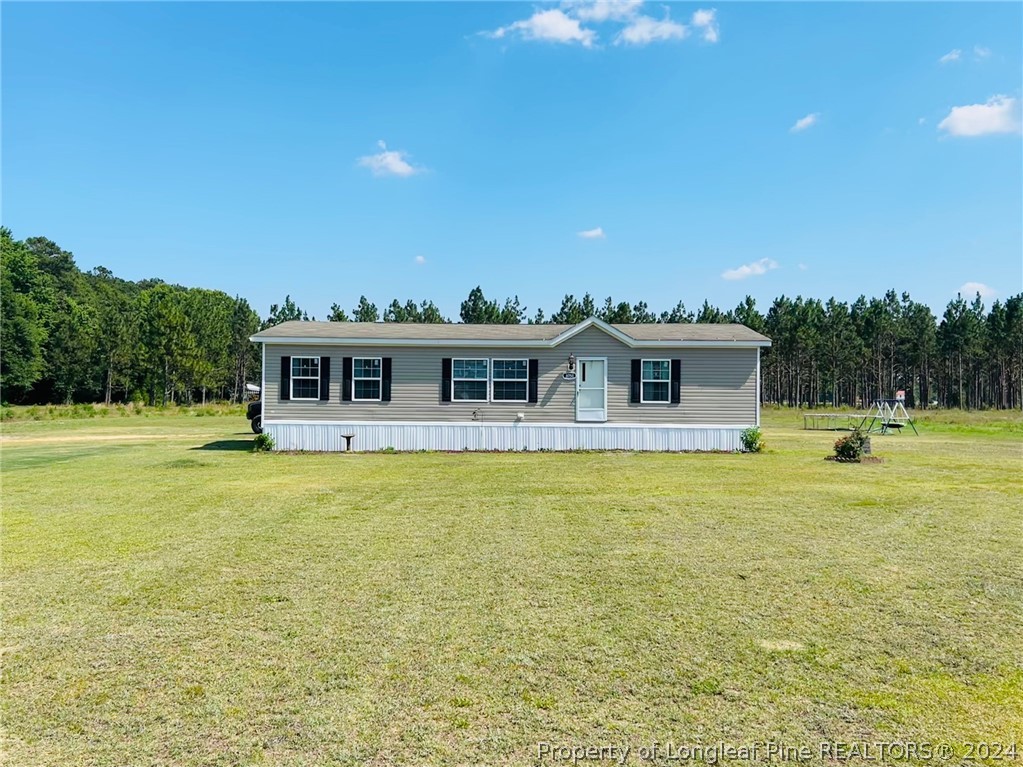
(591, 386)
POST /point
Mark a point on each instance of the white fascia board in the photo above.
(473, 342)
(305, 340)
(700, 344)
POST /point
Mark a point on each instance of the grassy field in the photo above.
(170, 598)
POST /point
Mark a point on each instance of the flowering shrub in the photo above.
(752, 440)
(850, 447)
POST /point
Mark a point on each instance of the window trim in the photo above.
(642, 390)
(490, 373)
(379, 379)
(291, 383)
(455, 378)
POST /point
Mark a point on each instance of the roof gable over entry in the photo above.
(639, 335)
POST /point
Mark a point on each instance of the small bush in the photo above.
(752, 440)
(850, 447)
(262, 443)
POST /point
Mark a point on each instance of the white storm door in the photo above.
(591, 390)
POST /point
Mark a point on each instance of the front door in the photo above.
(591, 390)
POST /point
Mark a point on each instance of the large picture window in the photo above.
(469, 380)
(510, 381)
(305, 378)
(366, 378)
(656, 381)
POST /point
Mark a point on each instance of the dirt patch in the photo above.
(864, 459)
(781, 645)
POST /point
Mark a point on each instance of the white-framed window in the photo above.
(469, 380)
(366, 379)
(305, 378)
(510, 381)
(655, 381)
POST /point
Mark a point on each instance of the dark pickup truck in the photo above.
(254, 412)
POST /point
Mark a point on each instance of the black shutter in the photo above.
(346, 379)
(637, 372)
(285, 388)
(676, 382)
(534, 382)
(445, 379)
(385, 379)
(324, 378)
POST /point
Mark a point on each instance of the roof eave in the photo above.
(474, 342)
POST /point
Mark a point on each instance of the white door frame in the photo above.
(590, 414)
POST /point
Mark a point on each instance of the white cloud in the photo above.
(593, 234)
(420, 259)
(803, 267)
(981, 52)
(763, 266)
(389, 162)
(952, 55)
(805, 122)
(604, 10)
(567, 24)
(999, 115)
(706, 19)
(644, 29)
(970, 289)
(921, 120)
(551, 26)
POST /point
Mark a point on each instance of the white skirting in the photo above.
(328, 437)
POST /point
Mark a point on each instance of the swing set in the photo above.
(884, 416)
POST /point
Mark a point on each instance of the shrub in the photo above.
(752, 440)
(850, 447)
(262, 443)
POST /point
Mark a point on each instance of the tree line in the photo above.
(73, 336)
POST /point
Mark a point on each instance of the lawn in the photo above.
(170, 598)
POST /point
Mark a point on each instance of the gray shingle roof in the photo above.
(413, 330)
(689, 331)
(458, 332)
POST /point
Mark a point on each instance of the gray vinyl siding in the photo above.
(718, 385)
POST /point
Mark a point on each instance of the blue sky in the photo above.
(415, 150)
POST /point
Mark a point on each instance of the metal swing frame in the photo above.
(887, 415)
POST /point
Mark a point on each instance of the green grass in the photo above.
(172, 599)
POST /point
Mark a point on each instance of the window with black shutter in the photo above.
(305, 378)
(655, 381)
(509, 381)
(366, 379)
